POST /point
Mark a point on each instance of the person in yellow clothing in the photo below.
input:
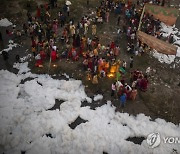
(72, 29)
(98, 13)
(84, 41)
(95, 52)
(95, 79)
(94, 27)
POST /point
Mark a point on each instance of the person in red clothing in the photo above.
(42, 54)
(9, 33)
(129, 3)
(40, 43)
(33, 42)
(144, 84)
(112, 45)
(81, 49)
(121, 90)
(38, 12)
(90, 64)
(75, 56)
(53, 55)
(38, 61)
(55, 27)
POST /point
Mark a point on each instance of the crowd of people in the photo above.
(124, 91)
(152, 26)
(80, 41)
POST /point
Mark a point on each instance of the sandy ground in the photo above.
(162, 100)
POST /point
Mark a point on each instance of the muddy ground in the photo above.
(162, 100)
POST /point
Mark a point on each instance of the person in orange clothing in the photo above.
(106, 67)
(95, 52)
(84, 41)
(95, 79)
(133, 94)
(100, 65)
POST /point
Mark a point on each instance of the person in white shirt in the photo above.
(85, 28)
(132, 37)
(68, 11)
(124, 65)
(118, 85)
(148, 70)
(128, 87)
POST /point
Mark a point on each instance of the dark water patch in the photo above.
(77, 122)
(57, 104)
(39, 83)
(92, 105)
(84, 104)
(49, 135)
(8, 65)
(25, 80)
(174, 151)
(23, 152)
(136, 140)
(105, 152)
